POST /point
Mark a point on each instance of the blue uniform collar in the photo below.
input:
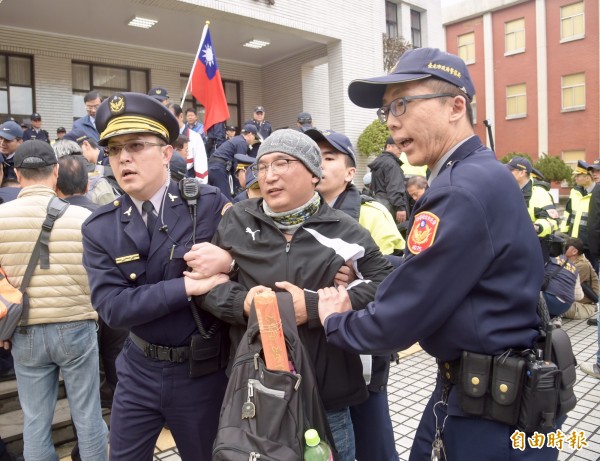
(458, 153)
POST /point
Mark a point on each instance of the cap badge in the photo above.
(117, 104)
(158, 91)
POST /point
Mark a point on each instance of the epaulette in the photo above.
(104, 209)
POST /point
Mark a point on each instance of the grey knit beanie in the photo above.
(296, 144)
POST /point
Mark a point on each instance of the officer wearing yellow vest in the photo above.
(575, 222)
(540, 203)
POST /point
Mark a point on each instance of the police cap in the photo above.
(159, 93)
(249, 128)
(520, 163)
(243, 161)
(338, 141)
(126, 113)
(595, 165)
(582, 168)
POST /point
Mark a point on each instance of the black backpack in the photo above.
(265, 413)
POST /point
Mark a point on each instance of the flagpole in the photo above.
(195, 62)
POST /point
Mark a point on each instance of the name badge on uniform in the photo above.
(128, 258)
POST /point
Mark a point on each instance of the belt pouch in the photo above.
(506, 389)
(205, 355)
(475, 371)
(540, 397)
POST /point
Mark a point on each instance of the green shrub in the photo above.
(510, 155)
(372, 139)
(554, 169)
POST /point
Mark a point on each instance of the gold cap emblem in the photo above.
(117, 104)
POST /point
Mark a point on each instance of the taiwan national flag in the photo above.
(206, 85)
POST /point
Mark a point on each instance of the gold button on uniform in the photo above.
(447, 375)
(133, 276)
(116, 203)
(503, 388)
(475, 381)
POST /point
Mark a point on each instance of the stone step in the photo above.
(11, 427)
(9, 398)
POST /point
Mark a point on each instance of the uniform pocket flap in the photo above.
(507, 379)
(475, 373)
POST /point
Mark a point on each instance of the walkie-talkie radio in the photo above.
(540, 393)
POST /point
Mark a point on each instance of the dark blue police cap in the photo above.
(413, 65)
(77, 135)
(159, 93)
(178, 167)
(520, 163)
(249, 128)
(338, 141)
(126, 113)
(244, 160)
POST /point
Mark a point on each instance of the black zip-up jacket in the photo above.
(387, 181)
(310, 260)
(350, 202)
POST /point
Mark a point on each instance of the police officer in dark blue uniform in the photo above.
(467, 282)
(222, 164)
(36, 132)
(168, 371)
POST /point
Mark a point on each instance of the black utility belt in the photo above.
(215, 160)
(204, 355)
(512, 388)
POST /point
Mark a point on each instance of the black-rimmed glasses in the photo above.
(131, 146)
(277, 167)
(398, 106)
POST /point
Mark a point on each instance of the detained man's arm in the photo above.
(206, 259)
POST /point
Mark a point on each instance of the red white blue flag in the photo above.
(206, 85)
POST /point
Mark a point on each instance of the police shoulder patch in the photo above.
(422, 234)
(226, 207)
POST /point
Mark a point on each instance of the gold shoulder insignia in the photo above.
(128, 212)
(126, 259)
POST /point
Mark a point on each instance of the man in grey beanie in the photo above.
(292, 241)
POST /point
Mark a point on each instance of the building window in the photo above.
(573, 92)
(572, 22)
(466, 47)
(516, 101)
(391, 19)
(415, 28)
(570, 157)
(514, 36)
(105, 79)
(232, 90)
(16, 86)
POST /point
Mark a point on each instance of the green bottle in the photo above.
(315, 449)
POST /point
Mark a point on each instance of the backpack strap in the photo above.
(56, 209)
(41, 252)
